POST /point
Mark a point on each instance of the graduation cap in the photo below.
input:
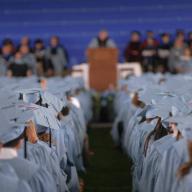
(30, 95)
(7, 98)
(158, 111)
(184, 125)
(10, 129)
(43, 117)
(59, 94)
(46, 118)
(53, 102)
(176, 105)
(17, 113)
(149, 97)
(144, 111)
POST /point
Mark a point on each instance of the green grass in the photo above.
(109, 169)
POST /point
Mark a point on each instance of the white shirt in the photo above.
(7, 153)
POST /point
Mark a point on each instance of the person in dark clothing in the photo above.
(103, 40)
(150, 35)
(163, 52)
(39, 53)
(133, 49)
(189, 40)
(180, 34)
(18, 68)
(149, 55)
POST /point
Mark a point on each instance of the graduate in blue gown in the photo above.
(64, 138)
(151, 166)
(175, 157)
(11, 137)
(184, 175)
(9, 181)
(40, 153)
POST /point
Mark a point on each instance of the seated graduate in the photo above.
(39, 152)
(65, 138)
(184, 173)
(12, 134)
(133, 49)
(175, 157)
(9, 180)
(102, 40)
(55, 136)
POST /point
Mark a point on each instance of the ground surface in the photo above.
(109, 169)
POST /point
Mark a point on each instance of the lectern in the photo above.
(102, 67)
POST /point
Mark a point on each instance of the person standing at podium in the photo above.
(102, 40)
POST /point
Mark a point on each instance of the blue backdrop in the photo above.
(78, 21)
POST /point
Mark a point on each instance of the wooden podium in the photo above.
(102, 67)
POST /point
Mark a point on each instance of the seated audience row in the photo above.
(24, 60)
(164, 54)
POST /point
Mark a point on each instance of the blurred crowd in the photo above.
(24, 60)
(164, 54)
(156, 53)
(153, 127)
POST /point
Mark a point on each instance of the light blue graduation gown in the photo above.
(73, 150)
(172, 159)
(9, 182)
(133, 122)
(41, 154)
(86, 104)
(38, 178)
(151, 163)
(138, 140)
(79, 121)
(183, 184)
(61, 149)
(63, 139)
(121, 117)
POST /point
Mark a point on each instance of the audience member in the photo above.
(18, 67)
(163, 52)
(175, 53)
(25, 41)
(57, 55)
(103, 40)
(28, 58)
(185, 62)
(6, 55)
(155, 56)
(39, 53)
(149, 55)
(133, 49)
(150, 34)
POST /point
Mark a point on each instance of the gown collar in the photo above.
(7, 153)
